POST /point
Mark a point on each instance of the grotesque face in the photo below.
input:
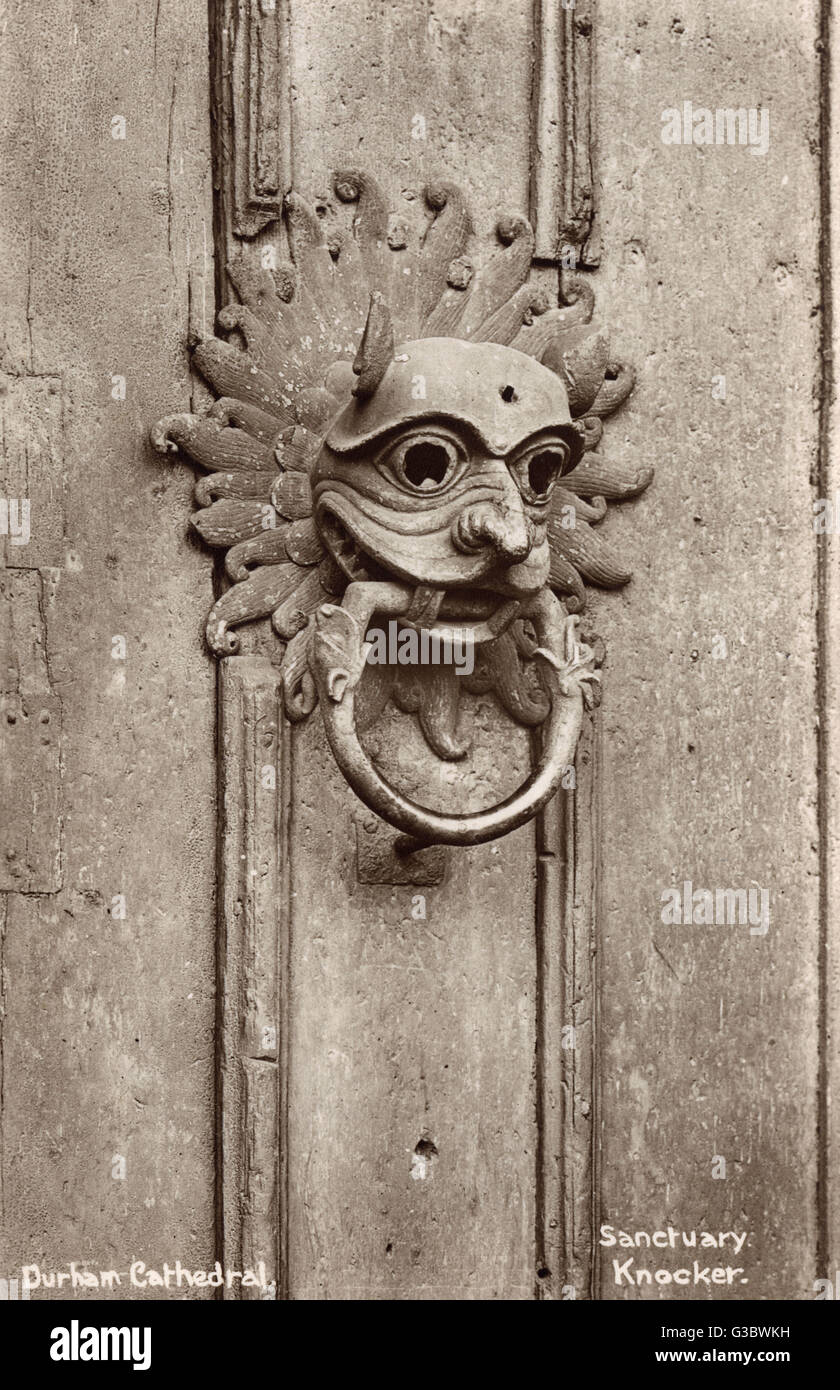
(443, 474)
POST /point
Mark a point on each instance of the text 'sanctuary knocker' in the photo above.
(404, 432)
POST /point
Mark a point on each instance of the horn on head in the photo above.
(376, 349)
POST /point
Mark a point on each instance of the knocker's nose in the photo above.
(502, 525)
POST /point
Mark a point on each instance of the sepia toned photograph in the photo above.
(419, 724)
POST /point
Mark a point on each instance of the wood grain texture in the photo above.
(412, 1137)
(829, 582)
(581, 997)
(414, 92)
(400, 1117)
(32, 466)
(710, 1038)
(30, 735)
(568, 845)
(106, 255)
(252, 965)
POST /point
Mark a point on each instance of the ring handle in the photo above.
(337, 661)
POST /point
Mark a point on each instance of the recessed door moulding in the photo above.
(250, 60)
(563, 209)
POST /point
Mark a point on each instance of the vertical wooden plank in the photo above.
(419, 114)
(828, 1254)
(566, 919)
(553, 873)
(253, 886)
(412, 1134)
(412, 1119)
(108, 968)
(4, 907)
(710, 1032)
(581, 1010)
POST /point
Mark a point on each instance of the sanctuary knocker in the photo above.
(407, 431)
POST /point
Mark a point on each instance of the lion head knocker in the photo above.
(403, 434)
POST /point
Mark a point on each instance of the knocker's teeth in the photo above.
(347, 552)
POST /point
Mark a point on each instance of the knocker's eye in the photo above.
(424, 462)
(537, 471)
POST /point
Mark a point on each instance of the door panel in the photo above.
(710, 1034)
(106, 949)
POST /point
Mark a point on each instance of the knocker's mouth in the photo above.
(489, 611)
(474, 586)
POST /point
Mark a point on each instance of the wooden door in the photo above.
(235, 1023)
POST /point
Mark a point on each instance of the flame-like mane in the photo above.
(288, 369)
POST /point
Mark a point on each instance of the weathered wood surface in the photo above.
(414, 91)
(710, 1040)
(30, 717)
(698, 997)
(252, 965)
(107, 1021)
(829, 486)
(411, 1149)
(433, 1137)
(412, 1086)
